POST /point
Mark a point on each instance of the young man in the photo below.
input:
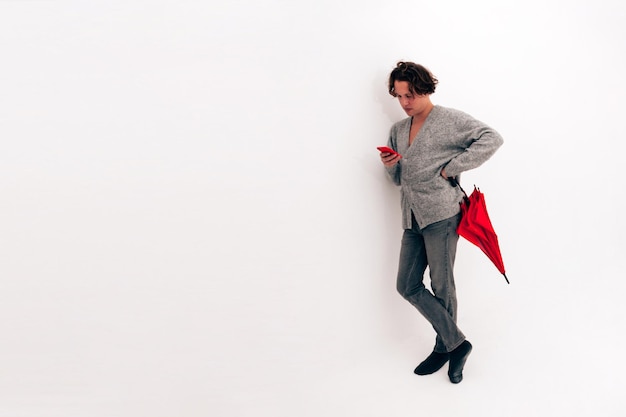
(434, 144)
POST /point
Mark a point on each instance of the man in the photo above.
(433, 145)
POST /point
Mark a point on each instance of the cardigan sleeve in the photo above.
(395, 171)
(482, 142)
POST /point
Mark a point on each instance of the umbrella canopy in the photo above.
(476, 227)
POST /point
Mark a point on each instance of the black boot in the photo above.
(432, 363)
(457, 360)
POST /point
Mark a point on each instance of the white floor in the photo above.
(540, 349)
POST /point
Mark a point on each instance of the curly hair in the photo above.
(421, 80)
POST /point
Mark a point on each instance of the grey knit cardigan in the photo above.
(448, 139)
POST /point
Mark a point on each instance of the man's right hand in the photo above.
(389, 159)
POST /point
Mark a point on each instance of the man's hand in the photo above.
(389, 159)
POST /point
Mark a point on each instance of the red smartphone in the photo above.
(387, 149)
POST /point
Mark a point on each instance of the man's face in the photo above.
(412, 104)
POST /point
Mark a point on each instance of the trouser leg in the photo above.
(434, 246)
(441, 241)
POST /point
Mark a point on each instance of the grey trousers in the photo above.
(435, 247)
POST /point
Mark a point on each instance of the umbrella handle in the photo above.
(455, 182)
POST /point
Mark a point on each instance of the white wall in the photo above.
(194, 220)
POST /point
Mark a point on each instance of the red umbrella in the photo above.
(476, 227)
